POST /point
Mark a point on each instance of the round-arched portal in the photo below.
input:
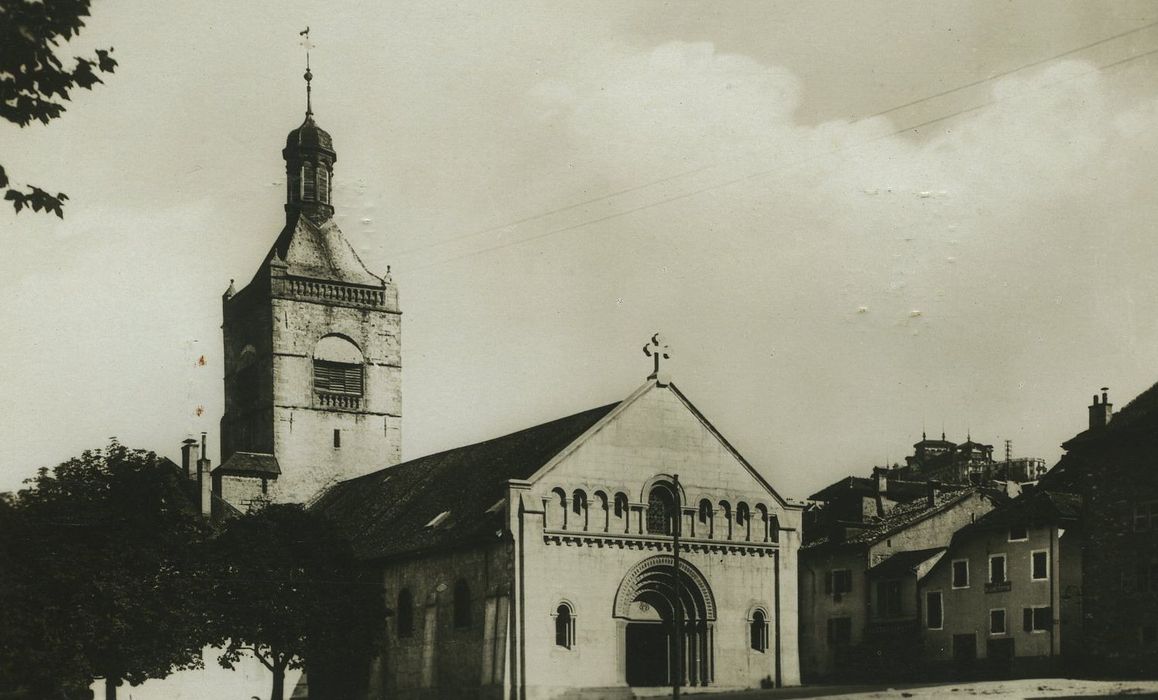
(647, 600)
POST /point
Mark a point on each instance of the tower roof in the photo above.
(321, 252)
(309, 136)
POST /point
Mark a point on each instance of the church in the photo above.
(625, 547)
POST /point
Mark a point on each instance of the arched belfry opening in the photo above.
(646, 602)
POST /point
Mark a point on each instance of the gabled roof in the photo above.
(321, 252)
(901, 517)
(386, 513)
(250, 464)
(1035, 507)
(903, 563)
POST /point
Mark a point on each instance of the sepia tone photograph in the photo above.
(429, 349)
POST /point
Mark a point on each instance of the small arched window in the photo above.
(758, 631)
(461, 604)
(773, 529)
(337, 367)
(705, 516)
(761, 523)
(744, 520)
(602, 512)
(660, 510)
(405, 613)
(579, 508)
(620, 512)
(726, 512)
(564, 626)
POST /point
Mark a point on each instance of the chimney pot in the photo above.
(1101, 412)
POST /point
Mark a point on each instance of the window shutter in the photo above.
(1047, 621)
(828, 589)
(1027, 619)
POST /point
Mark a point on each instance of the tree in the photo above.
(34, 81)
(290, 592)
(104, 573)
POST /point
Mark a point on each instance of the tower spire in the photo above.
(307, 44)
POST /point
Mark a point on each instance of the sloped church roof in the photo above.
(389, 512)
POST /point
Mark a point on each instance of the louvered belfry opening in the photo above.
(337, 378)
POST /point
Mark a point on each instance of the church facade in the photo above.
(626, 546)
(542, 564)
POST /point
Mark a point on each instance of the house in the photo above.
(1113, 466)
(1005, 597)
(860, 567)
(540, 564)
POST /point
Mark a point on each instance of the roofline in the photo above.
(631, 399)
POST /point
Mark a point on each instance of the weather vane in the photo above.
(307, 45)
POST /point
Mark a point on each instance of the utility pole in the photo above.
(678, 607)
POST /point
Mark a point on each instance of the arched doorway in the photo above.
(645, 602)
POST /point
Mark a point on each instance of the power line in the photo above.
(636, 188)
(763, 173)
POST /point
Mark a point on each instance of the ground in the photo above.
(1024, 688)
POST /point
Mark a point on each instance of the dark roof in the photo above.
(903, 563)
(896, 489)
(901, 517)
(250, 464)
(386, 513)
(309, 136)
(1140, 416)
(1036, 507)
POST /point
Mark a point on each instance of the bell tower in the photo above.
(313, 370)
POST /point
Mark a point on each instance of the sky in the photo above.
(851, 220)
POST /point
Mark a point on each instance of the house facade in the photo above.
(1005, 598)
(861, 566)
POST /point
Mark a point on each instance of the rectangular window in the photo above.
(1018, 533)
(934, 612)
(337, 438)
(997, 621)
(888, 598)
(996, 568)
(961, 573)
(838, 582)
(839, 631)
(1037, 619)
(1039, 565)
(309, 188)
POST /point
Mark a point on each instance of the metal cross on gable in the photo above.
(658, 350)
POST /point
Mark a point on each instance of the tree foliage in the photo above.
(35, 82)
(290, 593)
(103, 573)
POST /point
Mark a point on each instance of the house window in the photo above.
(758, 631)
(997, 621)
(889, 598)
(660, 508)
(1039, 565)
(405, 613)
(961, 573)
(839, 631)
(461, 604)
(838, 582)
(996, 568)
(1018, 533)
(1037, 619)
(564, 626)
(337, 438)
(934, 611)
(1145, 516)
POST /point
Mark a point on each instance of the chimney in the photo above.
(1101, 413)
(931, 493)
(881, 483)
(188, 460)
(204, 483)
